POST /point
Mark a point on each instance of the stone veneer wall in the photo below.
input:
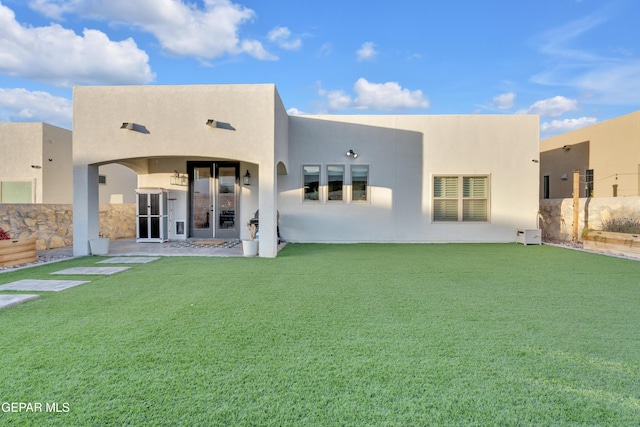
(556, 215)
(52, 224)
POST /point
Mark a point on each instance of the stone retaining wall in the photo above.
(52, 224)
(556, 215)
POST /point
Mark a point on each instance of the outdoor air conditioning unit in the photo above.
(529, 237)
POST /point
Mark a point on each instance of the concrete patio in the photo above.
(190, 247)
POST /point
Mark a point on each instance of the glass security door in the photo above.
(227, 201)
(152, 222)
(202, 199)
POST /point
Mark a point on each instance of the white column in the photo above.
(85, 208)
(268, 206)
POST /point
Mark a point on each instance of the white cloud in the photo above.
(282, 36)
(325, 50)
(295, 112)
(22, 105)
(566, 125)
(375, 96)
(612, 78)
(552, 107)
(367, 52)
(504, 101)
(183, 29)
(60, 56)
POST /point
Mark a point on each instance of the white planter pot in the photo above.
(99, 246)
(250, 247)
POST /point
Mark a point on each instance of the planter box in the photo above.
(612, 243)
(17, 252)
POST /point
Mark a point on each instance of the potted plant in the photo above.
(16, 251)
(250, 247)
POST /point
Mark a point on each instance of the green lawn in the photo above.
(380, 335)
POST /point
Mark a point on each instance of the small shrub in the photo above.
(4, 235)
(622, 225)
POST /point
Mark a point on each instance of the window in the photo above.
(588, 178)
(311, 177)
(545, 187)
(16, 192)
(102, 179)
(359, 183)
(460, 198)
(335, 182)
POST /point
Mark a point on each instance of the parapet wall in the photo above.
(52, 224)
(556, 215)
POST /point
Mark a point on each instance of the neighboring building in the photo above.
(606, 154)
(209, 156)
(36, 163)
(36, 167)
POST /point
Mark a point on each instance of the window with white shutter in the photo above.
(461, 198)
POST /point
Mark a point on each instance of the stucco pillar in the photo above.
(268, 216)
(85, 208)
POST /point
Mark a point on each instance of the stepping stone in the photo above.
(128, 260)
(41, 285)
(107, 271)
(9, 300)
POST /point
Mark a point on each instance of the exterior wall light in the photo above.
(127, 125)
(246, 179)
(212, 123)
(36, 166)
(351, 153)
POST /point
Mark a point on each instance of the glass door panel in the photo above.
(202, 201)
(226, 224)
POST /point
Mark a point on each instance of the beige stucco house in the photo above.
(36, 166)
(606, 154)
(209, 156)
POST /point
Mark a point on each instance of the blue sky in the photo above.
(573, 62)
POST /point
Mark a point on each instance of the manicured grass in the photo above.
(381, 335)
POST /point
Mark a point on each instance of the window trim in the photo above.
(460, 198)
(589, 178)
(344, 183)
(368, 184)
(303, 193)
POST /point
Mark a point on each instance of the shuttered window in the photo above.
(461, 198)
(445, 203)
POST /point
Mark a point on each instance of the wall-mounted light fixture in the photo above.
(566, 147)
(351, 153)
(127, 125)
(36, 166)
(535, 161)
(246, 179)
(212, 123)
(564, 177)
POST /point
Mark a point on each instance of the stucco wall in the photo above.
(556, 215)
(52, 224)
(403, 154)
(170, 123)
(614, 156)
